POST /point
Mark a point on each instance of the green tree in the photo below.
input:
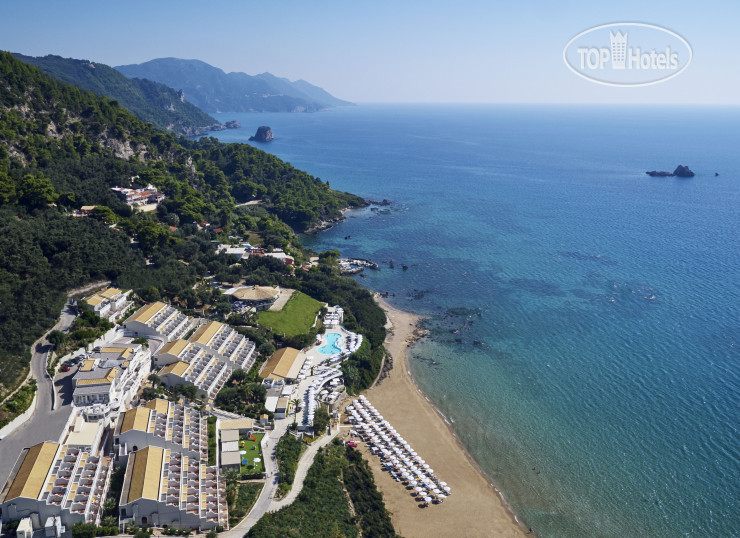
(56, 338)
(83, 530)
(295, 402)
(320, 420)
(7, 189)
(36, 191)
(104, 214)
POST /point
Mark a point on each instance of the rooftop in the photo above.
(175, 347)
(177, 368)
(136, 419)
(29, 480)
(229, 435)
(145, 475)
(146, 313)
(256, 293)
(280, 363)
(205, 333)
(236, 424)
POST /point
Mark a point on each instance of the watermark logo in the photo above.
(627, 54)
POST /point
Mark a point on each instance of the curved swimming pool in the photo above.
(331, 347)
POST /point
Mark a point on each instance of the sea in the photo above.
(584, 318)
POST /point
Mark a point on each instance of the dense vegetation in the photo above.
(212, 442)
(241, 498)
(213, 90)
(244, 395)
(149, 101)
(374, 519)
(322, 510)
(19, 403)
(61, 148)
(289, 449)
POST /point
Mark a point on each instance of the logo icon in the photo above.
(604, 54)
(619, 49)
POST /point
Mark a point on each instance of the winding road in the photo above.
(52, 406)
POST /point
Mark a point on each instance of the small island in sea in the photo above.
(263, 134)
(680, 171)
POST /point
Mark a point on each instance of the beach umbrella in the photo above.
(441, 497)
(447, 489)
(436, 491)
(417, 489)
(443, 483)
(427, 499)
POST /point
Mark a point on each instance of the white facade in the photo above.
(160, 320)
(52, 481)
(111, 376)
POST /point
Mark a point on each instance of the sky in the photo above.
(462, 51)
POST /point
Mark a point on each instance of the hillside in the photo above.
(149, 101)
(62, 147)
(213, 90)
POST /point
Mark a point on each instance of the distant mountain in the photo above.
(149, 101)
(213, 90)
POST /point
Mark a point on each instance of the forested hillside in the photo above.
(149, 101)
(62, 148)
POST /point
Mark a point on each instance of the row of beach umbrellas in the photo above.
(396, 454)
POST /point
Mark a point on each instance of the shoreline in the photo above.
(476, 507)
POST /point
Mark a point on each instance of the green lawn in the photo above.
(296, 317)
(253, 451)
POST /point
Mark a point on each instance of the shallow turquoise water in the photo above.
(331, 348)
(585, 322)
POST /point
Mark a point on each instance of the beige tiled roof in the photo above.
(145, 476)
(280, 363)
(108, 378)
(177, 368)
(256, 293)
(146, 313)
(109, 293)
(135, 419)
(94, 300)
(205, 333)
(175, 347)
(159, 405)
(31, 476)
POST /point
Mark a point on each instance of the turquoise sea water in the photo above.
(331, 347)
(585, 327)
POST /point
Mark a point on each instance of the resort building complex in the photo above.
(56, 486)
(110, 377)
(110, 303)
(168, 481)
(158, 320)
(283, 367)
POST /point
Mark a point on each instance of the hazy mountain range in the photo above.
(213, 90)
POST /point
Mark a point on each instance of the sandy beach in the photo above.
(474, 508)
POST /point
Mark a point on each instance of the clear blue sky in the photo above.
(383, 51)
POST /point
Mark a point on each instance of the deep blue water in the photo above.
(585, 321)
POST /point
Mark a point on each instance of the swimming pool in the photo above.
(331, 347)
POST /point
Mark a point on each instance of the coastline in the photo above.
(476, 507)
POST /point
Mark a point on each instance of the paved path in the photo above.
(45, 424)
(266, 502)
(302, 470)
(262, 504)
